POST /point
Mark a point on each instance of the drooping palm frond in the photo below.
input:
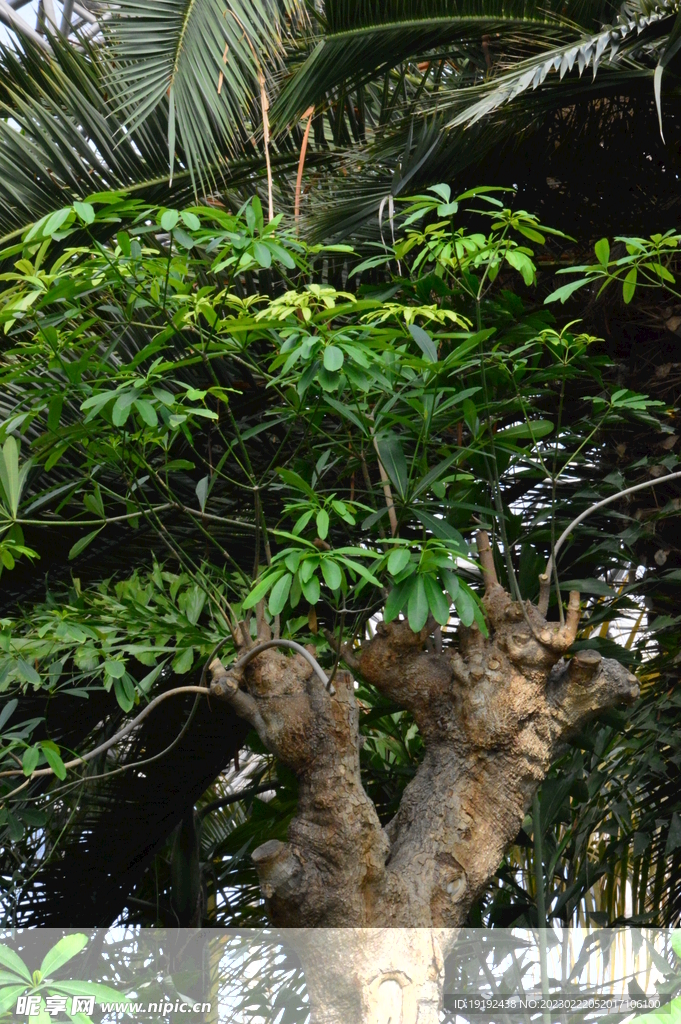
(360, 42)
(384, 77)
(618, 39)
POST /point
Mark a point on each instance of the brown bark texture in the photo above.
(493, 715)
(373, 975)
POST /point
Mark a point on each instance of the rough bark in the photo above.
(492, 714)
(373, 975)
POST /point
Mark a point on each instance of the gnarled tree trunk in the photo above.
(492, 715)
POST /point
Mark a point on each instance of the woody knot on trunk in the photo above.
(492, 712)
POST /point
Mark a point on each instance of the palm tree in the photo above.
(400, 94)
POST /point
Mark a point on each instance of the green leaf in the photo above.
(84, 542)
(311, 590)
(262, 255)
(441, 529)
(27, 672)
(331, 573)
(183, 661)
(202, 492)
(103, 993)
(279, 595)
(14, 962)
(333, 358)
(451, 583)
(345, 412)
(437, 602)
(417, 607)
(262, 588)
(424, 342)
(534, 429)
(145, 684)
(62, 952)
(195, 601)
(398, 598)
(121, 409)
(16, 829)
(588, 586)
(54, 414)
(54, 760)
(125, 698)
(183, 238)
(398, 560)
(190, 220)
(9, 474)
(433, 475)
(602, 250)
(523, 264)
(565, 291)
(322, 524)
(9, 996)
(530, 233)
(55, 221)
(169, 219)
(296, 481)
(85, 211)
(393, 460)
(115, 669)
(629, 286)
(123, 239)
(29, 761)
(7, 712)
(147, 412)
(465, 607)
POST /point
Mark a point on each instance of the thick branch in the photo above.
(336, 847)
(492, 715)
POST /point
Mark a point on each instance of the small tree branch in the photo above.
(489, 572)
(309, 113)
(385, 480)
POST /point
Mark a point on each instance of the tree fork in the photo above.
(493, 715)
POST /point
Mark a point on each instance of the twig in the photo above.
(117, 737)
(309, 113)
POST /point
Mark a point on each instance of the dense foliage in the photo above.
(200, 411)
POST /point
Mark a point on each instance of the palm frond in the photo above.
(585, 52)
(199, 61)
(61, 139)
(361, 41)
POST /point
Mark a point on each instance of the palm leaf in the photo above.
(363, 40)
(201, 62)
(582, 52)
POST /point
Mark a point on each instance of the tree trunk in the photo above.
(493, 715)
(373, 975)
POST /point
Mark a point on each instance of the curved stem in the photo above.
(292, 645)
(600, 504)
(117, 737)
